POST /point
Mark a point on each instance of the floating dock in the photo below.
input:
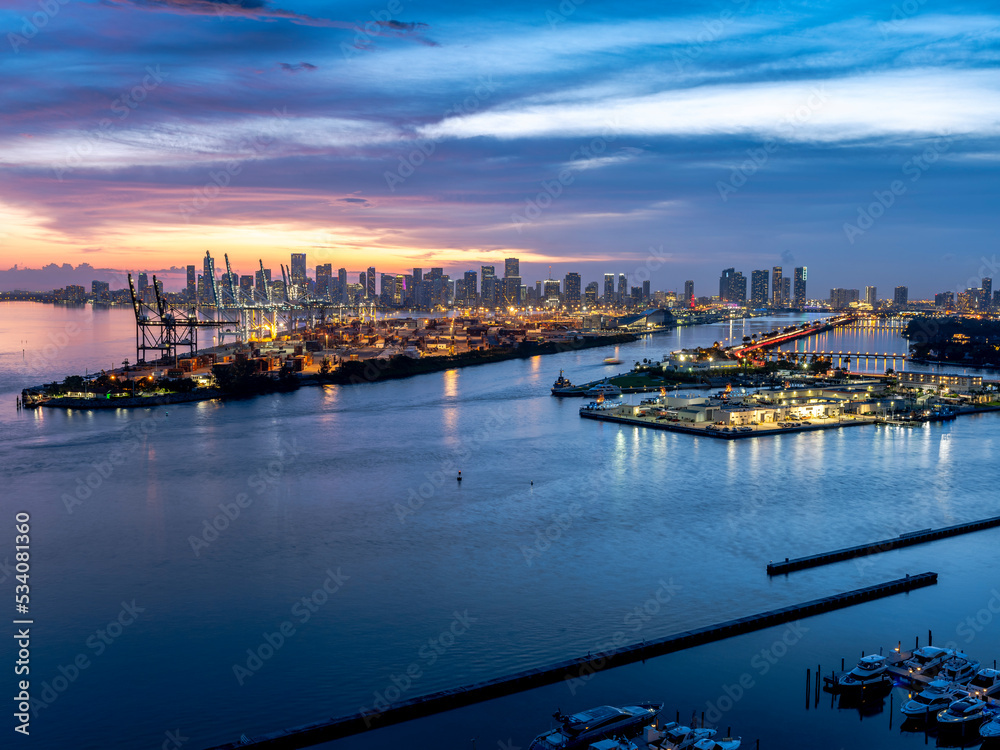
(873, 548)
(572, 669)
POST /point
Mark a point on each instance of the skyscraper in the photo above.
(646, 295)
(591, 293)
(298, 270)
(776, 287)
(609, 289)
(786, 291)
(688, 294)
(800, 288)
(143, 282)
(871, 296)
(511, 267)
(342, 289)
(512, 291)
(758, 288)
(471, 287)
(324, 273)
(192, 284)
(725, 282)
(211, 291)
(986, 298)
(489, 286)
(551, 291)
(901, 296)
(370, 283)
(622, 289)
(571, 290)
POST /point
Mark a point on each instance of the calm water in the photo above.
(359, 481)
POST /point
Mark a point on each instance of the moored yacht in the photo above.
(676, 736)
(870, 670)
(603, 722)
(985, 684)
(991, 729)
(938, 695)
(959, 668)
(927, 659)
(968, 712)
(606, 389)
(712, 744)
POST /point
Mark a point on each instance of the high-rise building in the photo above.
(370, 283)
(297, 270)
(387, 288)
(871, 296)
(512, 291)
(511, 268)
(246, 286)
(786, 291)
(342, 286)
(100, 291)
(986, 298)
(725, 284)
(799, 300)
(551, 292)
(776, 287)
(471, 286)
(646, 294)
(191, 290)
(609, 289)
(622, 289)
(688, 294)
(945, 300)
(324, 273)
(571, 290)
(841, 299)
(418, 275)
(591, 293)
(758, 289)
(900, 296)
(537, 292)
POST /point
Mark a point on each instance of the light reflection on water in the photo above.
(704, 513)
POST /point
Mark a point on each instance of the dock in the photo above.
(693, 428)
(571, 669)
(873, 548)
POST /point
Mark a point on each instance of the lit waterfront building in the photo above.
(758, 289)
(986, 298)
(900, 296)
(800, 287)
(591, 293)
(609, 289)
(871, 296)
(688, 293)
(369, 283)
(622, 289)
(776, 287)
(192, 284)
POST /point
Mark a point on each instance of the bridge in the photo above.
(819, 326)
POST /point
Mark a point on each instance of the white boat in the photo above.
(579, 730)
(870, 670)
(926, 659)
(711, 744)
(613, 745)
(962, 714)
(990, 729)
(679, 737)
(938, 695)
(986, 683)
(959, 668)
(606, 389)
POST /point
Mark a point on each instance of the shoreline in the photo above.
(358, 372)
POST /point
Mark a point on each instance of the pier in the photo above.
(873, 548)
(571, 669)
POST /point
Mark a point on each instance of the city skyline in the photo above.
(726, 135)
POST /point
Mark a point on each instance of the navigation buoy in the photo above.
(459, 476)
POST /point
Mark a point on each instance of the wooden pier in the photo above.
(873, 548)
(572, 669)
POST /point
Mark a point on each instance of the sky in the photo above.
(661, 140)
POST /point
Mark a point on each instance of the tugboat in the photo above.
(580, 730)
(562, 386)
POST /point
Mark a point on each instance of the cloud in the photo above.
(355, 201)
(296, 67)
(253, 9)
